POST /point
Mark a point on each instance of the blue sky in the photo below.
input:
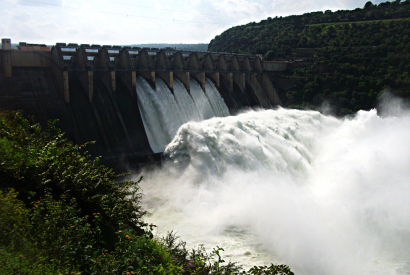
(133, 22)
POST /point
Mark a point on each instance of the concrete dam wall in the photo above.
(96, 91)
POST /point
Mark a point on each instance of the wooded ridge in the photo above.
(346, 58)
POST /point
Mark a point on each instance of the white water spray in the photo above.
(163, 112)
(322, 195)
(152, 115)
(215, 99)
(185, 102)
(201, 101)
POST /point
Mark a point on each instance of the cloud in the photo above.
(226, 10)
(57, 3)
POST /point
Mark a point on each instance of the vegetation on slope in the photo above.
(62, 213)
(345, 57)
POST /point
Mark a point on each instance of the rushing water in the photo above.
(163, 112)
(320, 194)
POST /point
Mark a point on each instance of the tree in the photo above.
(368, 5)
(270, 55)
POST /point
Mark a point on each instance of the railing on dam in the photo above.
(148, 59)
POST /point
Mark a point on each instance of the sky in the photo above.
(122, 22)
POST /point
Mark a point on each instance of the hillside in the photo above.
(345, 58)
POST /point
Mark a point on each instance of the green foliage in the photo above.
(32, 160)
(368, 5)
(64, 237)
(53, 238)
(275, 32)
(270, 55)
(17, 253)
(212, 263)
(350, 56)
(271, 270)
(14, 217)
(198, 261)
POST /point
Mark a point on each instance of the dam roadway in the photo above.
(91, 89)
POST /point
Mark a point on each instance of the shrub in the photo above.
(32, 160)
(14, 220)
(17, 252)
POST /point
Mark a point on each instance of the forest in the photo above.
(345, 58)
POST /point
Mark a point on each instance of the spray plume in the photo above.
(323, 195)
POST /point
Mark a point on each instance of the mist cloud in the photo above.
(391, 105)
(323, 195)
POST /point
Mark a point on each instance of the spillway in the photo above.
(163, 112)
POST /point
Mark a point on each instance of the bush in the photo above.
(14, 218)
(53, 239)
(32, 160)
(17, 252)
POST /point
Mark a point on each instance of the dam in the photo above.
(130, 100)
